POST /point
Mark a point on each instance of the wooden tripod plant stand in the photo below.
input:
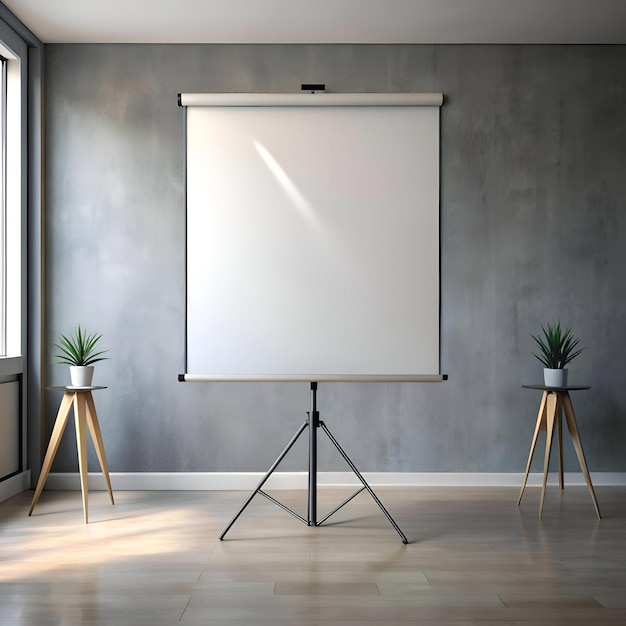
(85, 417)
(554, 402)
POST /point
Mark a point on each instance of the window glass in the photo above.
(3, 241)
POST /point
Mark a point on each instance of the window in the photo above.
(12, 201)
(3, 221)
(14, 55)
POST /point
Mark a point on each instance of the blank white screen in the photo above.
(312, 242)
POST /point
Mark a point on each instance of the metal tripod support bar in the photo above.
(313, 423)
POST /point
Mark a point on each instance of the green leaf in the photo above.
(78, 349)
(557, 347)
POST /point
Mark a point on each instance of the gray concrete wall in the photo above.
(533, 229)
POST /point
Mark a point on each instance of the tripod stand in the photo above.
(312, 422)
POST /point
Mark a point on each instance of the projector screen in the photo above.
(312, 225)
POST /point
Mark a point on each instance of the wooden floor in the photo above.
(473, 557)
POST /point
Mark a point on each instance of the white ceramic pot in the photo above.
(554, 378)
(81, 375)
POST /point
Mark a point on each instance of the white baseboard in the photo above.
(225, 481)
(14, 485)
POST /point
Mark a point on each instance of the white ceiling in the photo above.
(324, 21)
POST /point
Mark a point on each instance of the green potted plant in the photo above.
(557, 347)
(79, 352)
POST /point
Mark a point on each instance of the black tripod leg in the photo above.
(369, 489)
(262, 482)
